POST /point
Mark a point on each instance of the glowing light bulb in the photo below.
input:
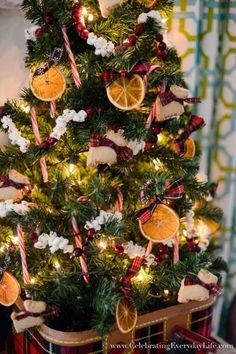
(160, 138)
(57, 266)
(90, 17)
(102, 245)
(166, 292)
(164, 20)
(1, 249)
(32, 281)
(185, 232)
(140, 277)
(157, 163)
(85, 11)
(14, 240)
(72, 167)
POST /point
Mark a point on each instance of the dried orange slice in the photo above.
(126, 315)
(190, 149)
(50, 85)
(9, 289)
(126, 93)
(162, 226)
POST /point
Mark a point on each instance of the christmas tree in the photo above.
(102, 205)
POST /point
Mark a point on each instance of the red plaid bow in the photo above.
(123, 151)
(7, 182)
(140, 69)
(168, 97)
(135, 267)
(173, 190)
(194, 124)
(53, 311)
(214, 289)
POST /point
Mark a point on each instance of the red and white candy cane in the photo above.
(73, 65)
(120, 200)
(25, 272)
(78, 242)
(152, 115)
(53, 106)
(38, 142)
(176, 248)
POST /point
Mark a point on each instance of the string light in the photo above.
(2, 249)
(166, 292)
(57, 266)
(102, 245)
(140, 277)
(90, 17)
(32, 281)
(157, 163)
(14, 240)
(84, 12)
(71, 168)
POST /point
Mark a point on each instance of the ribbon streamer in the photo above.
(53, 311)
(194, 124)
(38, 142)
(133, 270)
(176, 248)
(53, 106)
(123, 151)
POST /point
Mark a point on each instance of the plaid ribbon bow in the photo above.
(53, 60)
(123, 151)
(214, 289)
(194, 124)
(173, 190)
(7, 182)
(168, 97)
(133, 270)
(53, 311)
(140, 69)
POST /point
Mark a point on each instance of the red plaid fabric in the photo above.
(140, 69)
(135, 267)
(6, 182)
(213, 288)
(173, 190)
(194, 124)
(168, 97)
(123, 151)
(53, 311)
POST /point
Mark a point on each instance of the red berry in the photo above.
(163, 249)
(38, 32)
(153, 138)
(78, 252)
(119, 249)
(156, 130)
(159, 259)
(159, 37)
(162, 54)
(49, 19)
(162, 46)
(89, 111)
(80, 27)
(34, 236)
(139, 29)
(132, 40)
(85, 34)
(148, 146)
(91, 232)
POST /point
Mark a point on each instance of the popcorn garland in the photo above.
(14, 134)
(30, 33)
(8, 206)
(103, 218)
(54, 242)
(134, 250)
(102, 46)
(62, 121)
(155, 15)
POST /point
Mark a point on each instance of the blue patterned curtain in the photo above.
(204, 32)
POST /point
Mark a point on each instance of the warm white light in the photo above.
(72, 167)
(164, 20)
(185, 232)
(157, 163)
(166, 292)
(140, 277)
(14, 240)
(160, 138)
(102, 245)
(90, 17)
(32, 281)
(84, 12)
(57, 265)
(1, 249)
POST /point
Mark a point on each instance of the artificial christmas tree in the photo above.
(115, 216)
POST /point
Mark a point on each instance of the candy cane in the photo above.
(152, 114)
(149, 248)
(176, 248)
(71, 57)
(79, 244)
(53, 105)
(120, 200)
(26, 278)
(38, 142)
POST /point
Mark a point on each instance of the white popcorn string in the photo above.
(134, 250)
(62, 121)
(14, 134)
(103, 218)
(54, 242)
(102, 46)
(8, 206)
